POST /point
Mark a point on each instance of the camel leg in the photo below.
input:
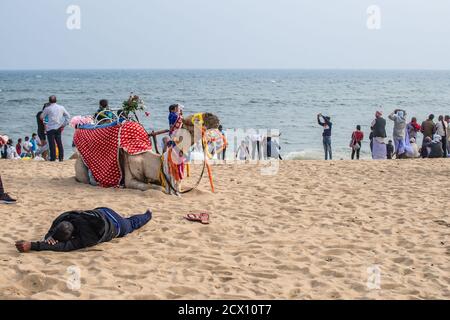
(130, 181)
(81, 171)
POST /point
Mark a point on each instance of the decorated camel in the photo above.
(139, 166)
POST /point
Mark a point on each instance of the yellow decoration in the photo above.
(197, 119)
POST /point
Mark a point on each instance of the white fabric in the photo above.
(440, 128)
(379, 149)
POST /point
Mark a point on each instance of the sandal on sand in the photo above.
(198, 217)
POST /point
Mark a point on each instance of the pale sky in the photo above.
(197, 34)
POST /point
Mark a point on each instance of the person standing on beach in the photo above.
(75, 230)
(222, 155)
(19, 147)
(355, 144)
(447, 119)
(413, 128)
(42, 143)
(390, 150)
(441, 129)
(58, 118)
(379, 135)
(326, 135)
(399, 118)
(428, 128)
(242, 152)
(4, 197)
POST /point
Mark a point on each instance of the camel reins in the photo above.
(198, 181)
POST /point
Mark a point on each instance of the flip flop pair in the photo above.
(202, 217)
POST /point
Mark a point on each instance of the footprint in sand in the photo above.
(38, 282)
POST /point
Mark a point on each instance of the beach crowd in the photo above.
(403, 145)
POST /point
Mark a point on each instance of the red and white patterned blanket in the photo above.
(99, 149)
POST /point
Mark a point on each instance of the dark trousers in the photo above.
(54, 139)
(444, 146)
(128, 225)
(256, 148)
(327, 147)
(2, 191)
(356, 151)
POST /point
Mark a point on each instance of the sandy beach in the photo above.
(309, 232)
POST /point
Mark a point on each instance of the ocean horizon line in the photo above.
(227, 69)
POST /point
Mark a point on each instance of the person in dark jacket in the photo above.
(435, 147)
(326, 135)
(378, 128)
(75, 230)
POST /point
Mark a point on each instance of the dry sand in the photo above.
(309, 232)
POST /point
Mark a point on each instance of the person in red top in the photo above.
(355, 144)
(19, 147)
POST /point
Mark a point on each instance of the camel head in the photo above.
(210, 121)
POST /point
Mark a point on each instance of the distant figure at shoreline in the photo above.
(435, 147)
(27, 148)
(242, 152)
(19, 147)
(399, 118)
(447, 119)
(355, 144)
(441, 130)
(75, 230)
(257, 151)
(413, 128)
(4, 197)
(326, 135)
(42, 143)
(412, 151)
(390, 150)
(58, 118)
(379, 135)
(427, 130)
(103, 113)
(222, 155)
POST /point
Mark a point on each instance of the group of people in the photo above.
(259, 147)
(435, 143)
(46, 144)
(27, 148)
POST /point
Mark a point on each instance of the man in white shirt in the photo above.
(27, 148)
(56, 118)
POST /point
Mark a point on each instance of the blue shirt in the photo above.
(173, 116)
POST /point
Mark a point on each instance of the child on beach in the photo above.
(175, 118)
(27, 148)
(19, 147)
(390, 150)
(243, 152)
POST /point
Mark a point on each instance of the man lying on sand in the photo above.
(75, 230)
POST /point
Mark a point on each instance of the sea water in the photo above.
(284, 100)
